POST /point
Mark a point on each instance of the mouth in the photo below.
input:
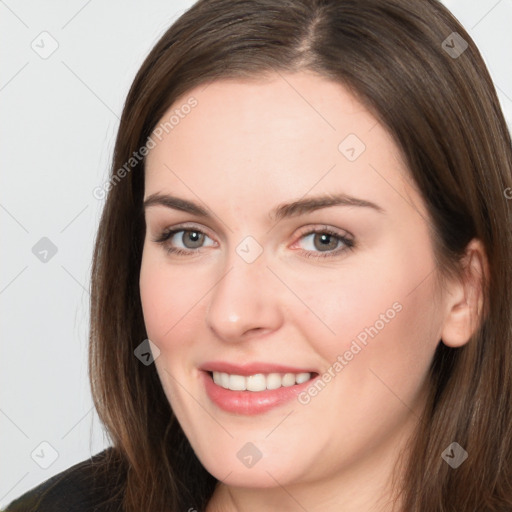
(250, 390)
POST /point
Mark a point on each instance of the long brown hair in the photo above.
(442, 111)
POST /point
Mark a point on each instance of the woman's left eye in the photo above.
(325, 243)
(319, 243)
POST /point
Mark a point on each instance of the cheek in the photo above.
(170, 299)
(381, 314)
(376, 365)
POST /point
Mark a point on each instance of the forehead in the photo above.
(278, 137)
(280, 107)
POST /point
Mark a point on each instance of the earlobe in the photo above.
(465, 299)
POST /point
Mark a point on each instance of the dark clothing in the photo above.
(89, 486)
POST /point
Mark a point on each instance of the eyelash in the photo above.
(169, 233)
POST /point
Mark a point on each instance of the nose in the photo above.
(245, 301)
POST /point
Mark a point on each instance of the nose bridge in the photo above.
(244, 298)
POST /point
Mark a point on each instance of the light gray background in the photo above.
(59, 120)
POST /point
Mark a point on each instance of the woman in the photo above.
(308, 218)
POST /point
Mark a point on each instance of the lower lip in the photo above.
(250, 402)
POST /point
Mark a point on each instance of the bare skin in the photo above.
(247, 147)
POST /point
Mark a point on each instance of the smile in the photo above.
(259, 381)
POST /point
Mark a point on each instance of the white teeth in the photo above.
(289, 379)
(237, 382)
(224, 380)
(259, 381)
(256, 382)
(302, 377)
(273, 381)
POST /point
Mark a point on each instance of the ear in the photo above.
(465, 297)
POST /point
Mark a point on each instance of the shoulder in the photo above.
(93, 485)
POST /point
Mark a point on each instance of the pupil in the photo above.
(326, 241)
(194, 239)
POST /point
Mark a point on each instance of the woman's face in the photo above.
(304, 252)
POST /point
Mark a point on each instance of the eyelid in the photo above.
(304, 230)
(343, 235)
(320, 228)
(186, 226)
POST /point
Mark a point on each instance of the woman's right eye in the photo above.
(183, 241)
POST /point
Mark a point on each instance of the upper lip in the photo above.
(251, 368)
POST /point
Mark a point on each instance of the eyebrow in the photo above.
(285, 210)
